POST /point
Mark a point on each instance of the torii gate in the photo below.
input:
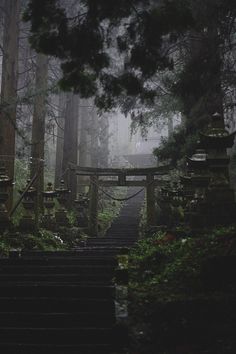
(150, 182)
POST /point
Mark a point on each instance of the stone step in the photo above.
(115, 239)
(84, 278)
(49, 254)
(79, 335)
(74, 256)
(55, 269)
(55, 319)
(115, 250)
(46, 261)
(110, 243)
(55, 304)
(23, 348)
(112, 239)
(55, 290)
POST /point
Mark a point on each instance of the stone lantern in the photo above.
(195, 183)
(175, 195)
(27, 222)
(165, 206)
(220, 204)
(200, 177)
(62, 197)
(5, 184)
(188, 189)
(48, 196)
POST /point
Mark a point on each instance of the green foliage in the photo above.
(71, 236)
(82, 42)
(43, 240)
(106, 217)
(63, 239)
(110, 210)
(177, 147)
(147, 29)
(169, 293)
(166, 265)
(71, 214)
(191, 38)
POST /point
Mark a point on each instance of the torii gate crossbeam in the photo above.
(150, 182)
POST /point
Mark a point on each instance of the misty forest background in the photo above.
(162, 64)
(97, 82)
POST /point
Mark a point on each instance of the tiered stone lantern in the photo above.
(199, 179)
(188, 190)
(5, 184)
(62, 196)
(208, 179)
(219, 205)
(27, 222)
(175, 195)
(48, 195)
(165, 205)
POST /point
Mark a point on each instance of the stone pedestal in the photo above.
(61, 214)
(27, 222)
(82, 211)
(48, 219)
(219, 204)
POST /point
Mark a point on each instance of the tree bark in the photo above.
(60, 139)
(84, 159)
(94, 131)
(104, 141)
(70, 147)
(9, 87)
(38, 128)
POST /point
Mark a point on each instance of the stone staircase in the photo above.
(124, 231)
(64, 302)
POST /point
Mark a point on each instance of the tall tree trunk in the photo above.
(104, 141)
(94, 131)
(70, 147)
(9, 87)
(84, 159)
(38, 128)
(60, 138)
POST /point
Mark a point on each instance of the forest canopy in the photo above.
(136, 53)
(144, 33)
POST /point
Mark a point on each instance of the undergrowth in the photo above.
(171, 265)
